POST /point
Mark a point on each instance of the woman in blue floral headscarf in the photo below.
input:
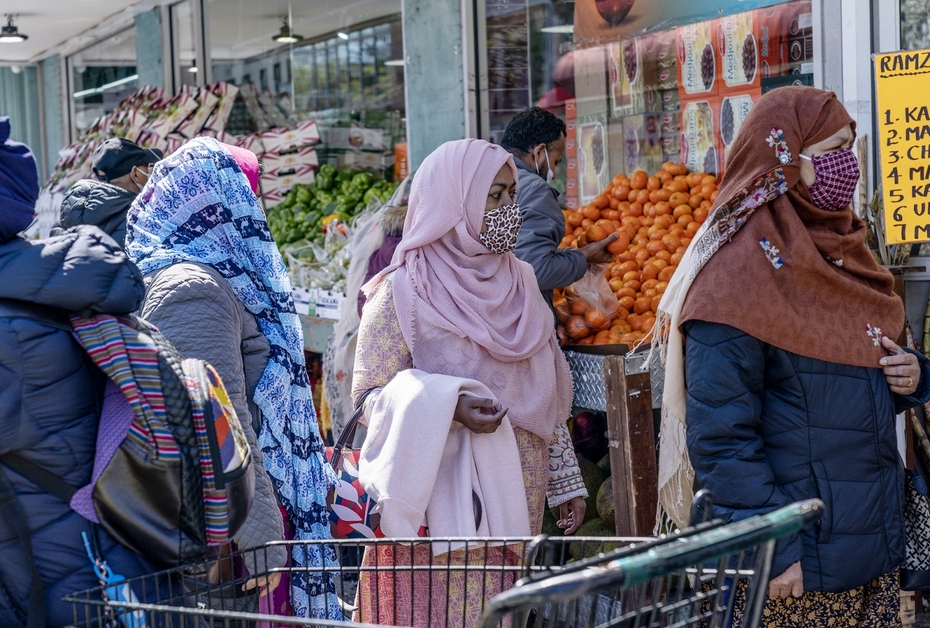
(217, 287)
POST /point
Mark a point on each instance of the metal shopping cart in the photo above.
(716, 577)
(544, 582)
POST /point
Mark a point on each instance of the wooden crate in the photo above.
(620, 386)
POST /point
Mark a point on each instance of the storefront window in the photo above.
(641, 86)
(101, 76)
(183, 41)
(915, 24)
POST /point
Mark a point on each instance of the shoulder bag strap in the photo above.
(349, 432)
(13, 513)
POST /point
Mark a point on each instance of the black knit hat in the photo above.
(116, 157)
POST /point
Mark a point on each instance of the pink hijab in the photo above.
(465, 311)
(248, 163)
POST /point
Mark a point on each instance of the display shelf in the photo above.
(316, 332)
(620, 386)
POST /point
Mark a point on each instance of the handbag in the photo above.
(352, 513)
(915, 572)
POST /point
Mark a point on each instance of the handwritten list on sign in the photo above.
(902, 82)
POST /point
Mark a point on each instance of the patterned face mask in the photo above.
(502, 226)
(836, 175)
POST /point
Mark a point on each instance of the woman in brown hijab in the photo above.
(783, 379)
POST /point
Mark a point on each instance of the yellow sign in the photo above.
(902, 82)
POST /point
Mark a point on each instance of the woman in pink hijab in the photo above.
(455, 301)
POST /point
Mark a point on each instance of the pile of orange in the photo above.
(656, 218)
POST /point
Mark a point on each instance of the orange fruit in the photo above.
(576, 327)
(650, 283)
(636, 209)
(566, 241)
(639, 180)
(652, 184)
(620, 245)
(676, 259)
(621, 192)
(666, 273)
(642, 305)
(700, 215)
(676, 186)
(591, 212)
(600, 201)
(694, 179)
(665, 256)
(579, 306)
(632, 275)
(678, 198)
(650, 271)
(695, 201)
(627, 303)
(596, 233)
(574, 218)
(623, 291)
(682, 210)
(707, 189)
(595, 318)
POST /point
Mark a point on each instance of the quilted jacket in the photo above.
(49, 407)
(194, 307)
(90, 202)
(767, 428)
(542, 230)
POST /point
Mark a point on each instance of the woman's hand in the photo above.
(266, 584)
(571, 514)
(789, 583)
(902, 370)
(481, 416)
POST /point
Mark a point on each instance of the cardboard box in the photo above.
(277, 162)
(697, 60)
(401, 163)
(571, 109)
(733, 111)
(252, 142)
(797, 27)
(207, 103)
(738, 59)
(699, 150)
(770, 40)
(357, 138)
(226, 94)
(366, 161)
(329, 304)
(302, 299)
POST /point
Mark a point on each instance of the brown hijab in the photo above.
(776, 266)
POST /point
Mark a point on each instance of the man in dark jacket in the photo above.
(49, 398)
(536, 139)
(122, 169)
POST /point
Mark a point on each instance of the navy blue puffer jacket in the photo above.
(767, 428)
(49, 409)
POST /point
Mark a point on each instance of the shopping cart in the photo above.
(436, 583)
(716, 577)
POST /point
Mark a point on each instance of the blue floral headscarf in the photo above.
(198, 207)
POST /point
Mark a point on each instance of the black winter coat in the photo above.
(103, 205)
(49, 398)
(767, 428)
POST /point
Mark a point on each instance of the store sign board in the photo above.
(902, 82)
(604, 21)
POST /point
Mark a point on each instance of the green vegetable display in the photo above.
(307, 210)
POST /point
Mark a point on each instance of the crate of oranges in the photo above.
(656, 217)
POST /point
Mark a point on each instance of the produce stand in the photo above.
(621, 387)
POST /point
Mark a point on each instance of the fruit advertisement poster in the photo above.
(593, 169)
(603, 21)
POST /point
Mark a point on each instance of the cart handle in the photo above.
(689, 550)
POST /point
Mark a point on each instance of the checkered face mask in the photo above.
(836, 175)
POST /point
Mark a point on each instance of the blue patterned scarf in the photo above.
(198, 207)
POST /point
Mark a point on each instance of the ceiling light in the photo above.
(395, 62)
(9, 34)
(285, 36)
(342, 35)
(192, 69)
(565, 29)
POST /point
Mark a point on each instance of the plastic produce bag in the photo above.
(588, 304)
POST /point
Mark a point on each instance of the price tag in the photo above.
(902, 81)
